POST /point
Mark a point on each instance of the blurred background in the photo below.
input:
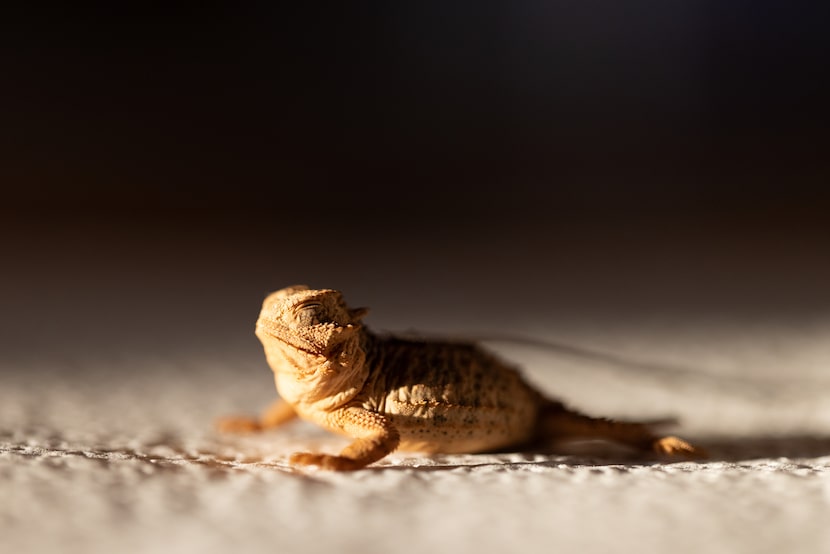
(617, 175)
(642, 184)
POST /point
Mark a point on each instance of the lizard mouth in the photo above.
(264, 332)
(332, 333)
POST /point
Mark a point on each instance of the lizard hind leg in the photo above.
(276, 414)
(559, 422)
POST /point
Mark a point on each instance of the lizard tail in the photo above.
(561, 423)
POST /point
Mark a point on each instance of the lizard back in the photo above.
(448, 396)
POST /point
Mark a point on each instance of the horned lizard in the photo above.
(391, 393)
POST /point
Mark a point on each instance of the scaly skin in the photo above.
(389, 393)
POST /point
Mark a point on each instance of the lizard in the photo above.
(388, 393)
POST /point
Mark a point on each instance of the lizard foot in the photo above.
(238, 424)
(326, 461)
(673, 446)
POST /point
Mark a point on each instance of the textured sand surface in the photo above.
(105, 418)
(96, 464)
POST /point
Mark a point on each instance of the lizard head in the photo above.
(314, 321)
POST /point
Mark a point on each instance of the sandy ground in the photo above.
(111, 380)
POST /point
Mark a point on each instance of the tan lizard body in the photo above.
(389, 393)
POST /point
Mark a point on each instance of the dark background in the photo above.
(505, 108)
(169, 165)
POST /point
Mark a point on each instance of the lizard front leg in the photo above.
(276, 414)
(375, 437)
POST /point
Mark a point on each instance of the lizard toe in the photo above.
(674, 446)
(325, 461)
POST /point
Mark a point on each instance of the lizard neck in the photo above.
(315, 383)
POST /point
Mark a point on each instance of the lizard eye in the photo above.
(308, 314)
